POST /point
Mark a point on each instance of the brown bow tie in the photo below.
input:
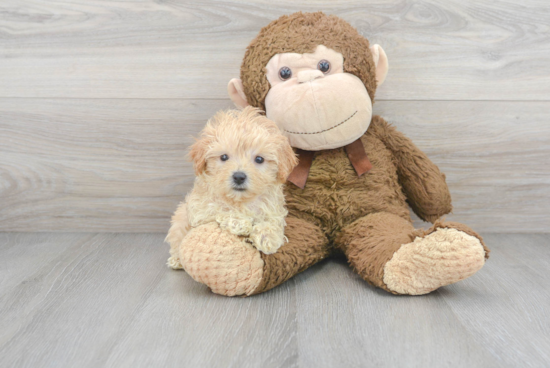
(356, 154)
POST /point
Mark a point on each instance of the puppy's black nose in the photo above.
(239, 177)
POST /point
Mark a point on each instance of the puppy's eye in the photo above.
(285, 73)
(324, 66)
(259, 160)
(224, 157)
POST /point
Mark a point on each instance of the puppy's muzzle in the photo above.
(239, 179)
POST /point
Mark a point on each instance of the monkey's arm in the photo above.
(424, 185)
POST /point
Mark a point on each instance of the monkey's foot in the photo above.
(220, 260)
(443, 257)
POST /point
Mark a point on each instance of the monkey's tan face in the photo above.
(314, 102)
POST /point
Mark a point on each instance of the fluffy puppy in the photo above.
(241, 161)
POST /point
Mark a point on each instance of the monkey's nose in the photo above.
(309, 75)
(239, 177)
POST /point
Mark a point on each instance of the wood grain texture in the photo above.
(344, 322)
(515, 289)
(108, 300)
(108, 165)
(494, 154)
(438, 50)
(119, 165)
(497, 318)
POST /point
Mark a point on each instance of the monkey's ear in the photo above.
(236, 93)
(381, 63)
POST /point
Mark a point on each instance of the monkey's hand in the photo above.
(267, 236)
(240, 226)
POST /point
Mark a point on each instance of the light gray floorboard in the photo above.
(184, 324)
(109, 300)
(499, 317)
(344, 322)
(507, 308)
(72, 309)
(24, 256)
(93, 300)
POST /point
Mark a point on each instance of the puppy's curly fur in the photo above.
(253, 209)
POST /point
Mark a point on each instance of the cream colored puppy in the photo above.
(241, 161)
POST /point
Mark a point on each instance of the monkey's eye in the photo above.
(224, 157)
(285, 73)
(259, 160)
(324, 66)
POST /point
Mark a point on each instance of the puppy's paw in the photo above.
(236, 226)
(266, 238)
(174, 263)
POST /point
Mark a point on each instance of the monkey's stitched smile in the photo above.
(325, 130)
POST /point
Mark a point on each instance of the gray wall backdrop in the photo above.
(98, 100)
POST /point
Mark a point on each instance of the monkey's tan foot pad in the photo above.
(441, 258)
(222, 261)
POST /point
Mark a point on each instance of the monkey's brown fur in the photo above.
(371, 210)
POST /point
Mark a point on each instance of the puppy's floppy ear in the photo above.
(197, 154)
(287, 159)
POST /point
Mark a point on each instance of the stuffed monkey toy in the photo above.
(316, 77)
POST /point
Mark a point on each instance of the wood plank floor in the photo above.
(91, 300)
